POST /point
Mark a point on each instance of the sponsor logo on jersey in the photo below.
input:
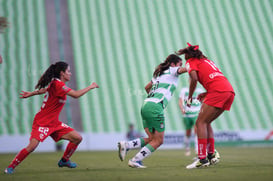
(215, 74)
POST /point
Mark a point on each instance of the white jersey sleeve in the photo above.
(164, 86)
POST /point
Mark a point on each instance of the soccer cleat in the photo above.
(68, 164)
(122, 150)
(199, 164)
(214, 158)
(136, 164)
(9, 170)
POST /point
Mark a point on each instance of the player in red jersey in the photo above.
(218, 97)
(46, 121)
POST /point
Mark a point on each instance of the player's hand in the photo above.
(24, 94)
(94, 85)
(189, 101)
(183, 111)
(201, 96)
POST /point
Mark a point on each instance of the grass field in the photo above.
(237, 163)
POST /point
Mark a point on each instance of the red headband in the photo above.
(196, 47)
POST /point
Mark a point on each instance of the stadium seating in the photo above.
(119, 43)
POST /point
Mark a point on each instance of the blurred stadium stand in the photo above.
(118, 44)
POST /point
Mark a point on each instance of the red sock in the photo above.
(210, 145)
(202, 148)
(19, 158)
(70, 149)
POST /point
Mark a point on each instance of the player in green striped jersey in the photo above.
(160, 91)
(189, 115)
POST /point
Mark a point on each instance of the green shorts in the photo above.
(189, 122)
(153, 116)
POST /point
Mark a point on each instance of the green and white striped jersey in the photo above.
(164, 86)
(196, 104)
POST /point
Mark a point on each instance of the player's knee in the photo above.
(30, 149)
(78, 139)
(159, 141)
(149, 139)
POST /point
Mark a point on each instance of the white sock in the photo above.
(134, 144)
(187, 142)
(143, 153)
(196, 144)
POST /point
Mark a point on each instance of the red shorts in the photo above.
(41, 133)
(222, 100)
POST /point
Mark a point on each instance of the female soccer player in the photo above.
(160, 91)
(46, 121)
(218, 97)
(189, 115)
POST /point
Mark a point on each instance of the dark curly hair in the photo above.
(172, 58)
(53, 71)
(192, 51)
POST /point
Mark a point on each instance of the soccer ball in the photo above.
(216, 158)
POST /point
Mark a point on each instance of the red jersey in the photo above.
(53, 103)
(209, 75)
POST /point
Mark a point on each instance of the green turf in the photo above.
(247, 163)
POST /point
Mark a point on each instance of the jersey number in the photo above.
(45, 99)
(154, 87)
(212, 64)
(43, 130)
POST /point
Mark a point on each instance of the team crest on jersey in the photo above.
(161, 125)
(42, 136)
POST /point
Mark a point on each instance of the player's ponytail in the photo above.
(192, 51)
(166, 64)
(53, 71)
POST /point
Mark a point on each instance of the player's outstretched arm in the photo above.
(181, 70)
(25, 94)
(79, 93)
